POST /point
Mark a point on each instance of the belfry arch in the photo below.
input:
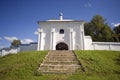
(61, 46)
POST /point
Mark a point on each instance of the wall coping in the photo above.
(109, 43)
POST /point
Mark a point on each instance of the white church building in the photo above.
(61, 34)
(68, 34)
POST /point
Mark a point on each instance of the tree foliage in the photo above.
(15, 43)
(117, 29)
(117, 33)
(98, 29)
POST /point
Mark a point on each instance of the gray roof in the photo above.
(34, 43)
(6, 49)
(28, 44)
(59, 21)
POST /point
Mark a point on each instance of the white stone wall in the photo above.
(11, 51)
(4, 52)
(106, 46)
(89, 45)
(14, 51)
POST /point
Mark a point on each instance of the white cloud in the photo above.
(10, 39)
(115, 24)
(23, 41)
(36, 33)
(26, 41)
(87, 5)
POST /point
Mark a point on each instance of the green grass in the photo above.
(21, 66)
(99, 65)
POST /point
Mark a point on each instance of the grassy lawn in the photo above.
(99, 65)
(20, 66)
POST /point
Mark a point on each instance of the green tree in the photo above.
(98, 29)
(15, 43)
(117, 33)
(107, 33)
(117, 29)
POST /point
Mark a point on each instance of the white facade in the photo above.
(69, 33)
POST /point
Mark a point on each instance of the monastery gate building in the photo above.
(66, 34)
(61, 34)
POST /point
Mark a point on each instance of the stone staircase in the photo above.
(60, 62)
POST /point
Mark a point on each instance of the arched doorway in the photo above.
(61, 46)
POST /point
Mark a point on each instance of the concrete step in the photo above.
(60, 62)
(58, 71)
(61, 53)
(60, 59)
(59, 68)
(51, 55)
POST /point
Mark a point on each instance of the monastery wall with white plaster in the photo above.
(49, 36)
(90, 45)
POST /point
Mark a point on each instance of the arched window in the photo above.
(61, 31)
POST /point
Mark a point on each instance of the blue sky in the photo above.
(18, 18)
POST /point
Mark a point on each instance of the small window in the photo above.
(61, 31)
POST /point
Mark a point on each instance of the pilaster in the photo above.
(52, 45)
(39, 39)
(71, 39)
